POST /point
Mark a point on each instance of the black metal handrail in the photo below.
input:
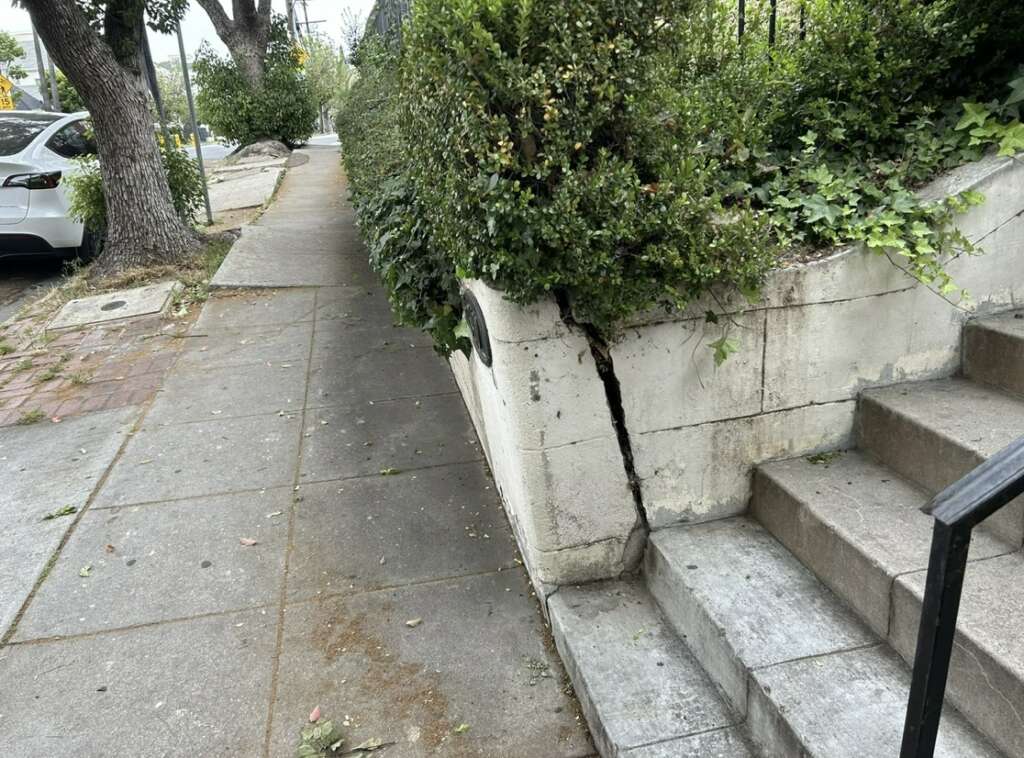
(957, 510)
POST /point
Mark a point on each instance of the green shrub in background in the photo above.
(284, 109)
(623, 156)
(88, 205)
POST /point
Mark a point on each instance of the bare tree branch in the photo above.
(223, 25)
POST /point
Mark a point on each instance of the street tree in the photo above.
(11, 51)
(247, 33)
(97, 45)
(327, 73)
(172, 89)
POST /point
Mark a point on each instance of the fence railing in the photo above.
(956, 510)
(387, 16)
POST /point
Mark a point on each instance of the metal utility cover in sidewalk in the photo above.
(114, 306)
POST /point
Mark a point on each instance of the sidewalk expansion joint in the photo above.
(140, 625)
(353, 593)
(289, 547)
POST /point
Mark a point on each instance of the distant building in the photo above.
(30, 84)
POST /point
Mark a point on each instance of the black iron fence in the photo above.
(956, 510)
(387, 16)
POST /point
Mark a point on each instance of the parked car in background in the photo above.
(37, 152)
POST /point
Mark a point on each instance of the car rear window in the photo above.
(17, 130)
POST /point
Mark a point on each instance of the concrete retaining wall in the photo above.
(823, 331)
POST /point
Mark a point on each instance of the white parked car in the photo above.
(37, 151)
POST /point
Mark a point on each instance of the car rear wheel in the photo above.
(92, 245)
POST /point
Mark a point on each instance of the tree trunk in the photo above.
(143, 229)
(246, 36)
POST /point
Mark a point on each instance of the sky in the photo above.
(196, 26)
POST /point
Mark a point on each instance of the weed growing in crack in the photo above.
(30, 417)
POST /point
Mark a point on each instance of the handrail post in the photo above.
(946, 566)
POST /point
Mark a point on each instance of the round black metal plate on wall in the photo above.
(477, 327)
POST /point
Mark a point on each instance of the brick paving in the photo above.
(61, 375)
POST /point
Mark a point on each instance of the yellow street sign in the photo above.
(6, 101)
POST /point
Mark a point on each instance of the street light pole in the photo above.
(44, 93)
(54, 94)
(195, 124)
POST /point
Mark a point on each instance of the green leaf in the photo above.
(1017, 91)
(975, 115)
(723, 348)
(1013, 139)
(462, 331)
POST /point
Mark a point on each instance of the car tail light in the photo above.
(48, 180)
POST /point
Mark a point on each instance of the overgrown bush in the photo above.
(283, 109)
(623, 156)
(88, 205)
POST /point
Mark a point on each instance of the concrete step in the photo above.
(643, 693)
(858, 526)
(994, 351)
(811, 679)
(933, 433)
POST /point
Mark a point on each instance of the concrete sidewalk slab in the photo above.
(188, 689)
(24, 553)
(476, 659)
(164, 561)
(341, 344)
(244, 190)
(363, 440)
(413, 527)
(266, 345)
(44, 468)
(379, 375)
(230, 392)
(353, 305)
(256, 268)
(257, 309)
(204, 458)
(114, 306)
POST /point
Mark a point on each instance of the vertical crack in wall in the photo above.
(601, 353)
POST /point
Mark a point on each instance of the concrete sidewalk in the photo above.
(301, 517)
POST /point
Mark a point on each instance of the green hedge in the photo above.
(628, 155)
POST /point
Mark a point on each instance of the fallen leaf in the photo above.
(413, 623)
(389, 471)
(314, 715)
(461, 729)
(85, 570)
(248, 541)
(109, 548)
(67, 510)
(368, 747)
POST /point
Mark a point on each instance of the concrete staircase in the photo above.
(794, 626)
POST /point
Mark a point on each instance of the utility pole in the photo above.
(54, 94)
(293, 29)
(44, 94)
(195, 123)
(149, 71)
(307, 23)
